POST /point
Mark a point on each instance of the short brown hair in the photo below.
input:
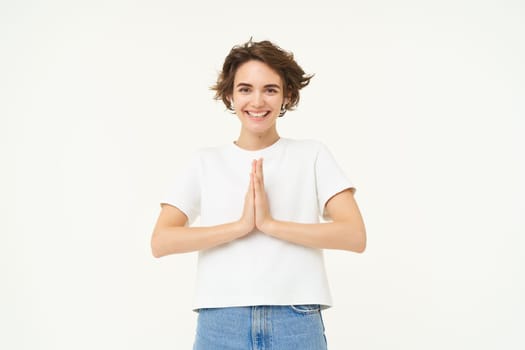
(292, 75)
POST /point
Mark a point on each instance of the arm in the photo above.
(346, 231)
(171, 234)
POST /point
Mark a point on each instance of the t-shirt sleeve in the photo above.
(330, 178)
(185, 191)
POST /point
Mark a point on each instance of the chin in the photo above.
(259, 129)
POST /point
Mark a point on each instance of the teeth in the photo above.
(257, 115)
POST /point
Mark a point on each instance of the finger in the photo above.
(252, 175)
(258, 186)
(250, 189)
(260, 169)
(255, 167)
(255, 180)
(252, 186)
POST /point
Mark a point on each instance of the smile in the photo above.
(257, 114)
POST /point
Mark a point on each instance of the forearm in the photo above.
(331, 235)
(183, 239)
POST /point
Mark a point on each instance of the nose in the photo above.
(257, 100)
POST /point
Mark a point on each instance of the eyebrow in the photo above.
(266, 86)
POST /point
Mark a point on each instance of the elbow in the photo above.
(353, 237)
(362, 242)
(361, 238)
(156, 254)
(156, 250)
(361, 247)
(357, 242)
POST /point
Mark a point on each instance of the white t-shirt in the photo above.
(300, 176)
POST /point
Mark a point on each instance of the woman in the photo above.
(261, 281)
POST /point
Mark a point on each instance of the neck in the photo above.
(253, 142)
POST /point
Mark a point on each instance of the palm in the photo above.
(247, 220)
(262, 210)
(256, 212)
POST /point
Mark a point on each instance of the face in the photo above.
(257, 97)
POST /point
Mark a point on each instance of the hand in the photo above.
(263, 217)
(247, 220)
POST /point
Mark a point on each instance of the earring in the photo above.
(283, 110)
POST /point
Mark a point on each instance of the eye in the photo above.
(272, 91)
(244, 90)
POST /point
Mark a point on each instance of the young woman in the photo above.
(261, 281)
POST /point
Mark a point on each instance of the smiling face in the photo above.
(257, 98)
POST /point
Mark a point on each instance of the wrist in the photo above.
(241, 228)
(268, 226)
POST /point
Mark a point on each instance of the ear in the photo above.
(230, 98)
(287, 98)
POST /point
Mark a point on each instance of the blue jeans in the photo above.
(265, 327)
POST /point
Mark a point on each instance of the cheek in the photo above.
(278, 101)
(239, 99)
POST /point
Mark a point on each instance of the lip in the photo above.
(257, 119)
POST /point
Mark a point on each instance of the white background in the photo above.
(421, 102)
